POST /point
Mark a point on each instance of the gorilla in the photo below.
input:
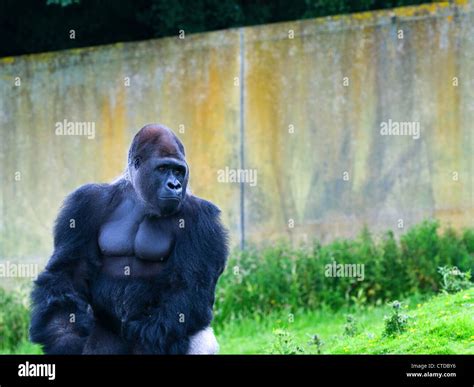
(135, 262)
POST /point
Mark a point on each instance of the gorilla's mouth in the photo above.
(169, 204)
(167, 198)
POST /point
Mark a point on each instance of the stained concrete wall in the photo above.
(300, 102)
(426, 77)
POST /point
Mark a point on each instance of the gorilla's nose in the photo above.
(175, 187)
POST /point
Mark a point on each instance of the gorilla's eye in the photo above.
(161, 169)
(136, 162)
(179, 171)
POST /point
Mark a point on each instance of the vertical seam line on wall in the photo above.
(242, 133)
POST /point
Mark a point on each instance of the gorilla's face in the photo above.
(160, 183)
(158, 169)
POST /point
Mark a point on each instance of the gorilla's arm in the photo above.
(61, 316)
(186, 305)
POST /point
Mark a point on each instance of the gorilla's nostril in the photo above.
(174, 186)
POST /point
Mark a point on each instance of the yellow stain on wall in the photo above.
(361, 90)
(112, 129)
(447, 139)
(7, 60)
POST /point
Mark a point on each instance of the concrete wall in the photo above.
(237, 95)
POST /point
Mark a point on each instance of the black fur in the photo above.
(151, 308)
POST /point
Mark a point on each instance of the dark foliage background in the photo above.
(28, 26)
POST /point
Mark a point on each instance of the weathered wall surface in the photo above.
(304, 111)
(336, 124)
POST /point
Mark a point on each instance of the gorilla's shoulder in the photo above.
(98, 193)
(200, 207)
(91, 189)
(206, 218)
(88, 195)
(85, 207)
(211, 237)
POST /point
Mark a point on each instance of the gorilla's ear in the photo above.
(137, 161)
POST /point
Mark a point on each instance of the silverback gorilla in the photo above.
(135, 262)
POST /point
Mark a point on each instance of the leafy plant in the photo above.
(317, 342)
(284, 344)
(14, 320)
(454, 280)
(350, 328)
(397, 322)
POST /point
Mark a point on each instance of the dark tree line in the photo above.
(28, 26)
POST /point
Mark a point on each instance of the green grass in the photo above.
(442, 325)
(23, 348)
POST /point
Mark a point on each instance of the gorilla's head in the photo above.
(158, 169)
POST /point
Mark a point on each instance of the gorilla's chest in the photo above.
(134, 244)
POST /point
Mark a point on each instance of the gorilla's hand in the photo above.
(102, 341)
(168, 328)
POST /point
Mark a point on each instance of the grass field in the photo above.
(443, 324)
